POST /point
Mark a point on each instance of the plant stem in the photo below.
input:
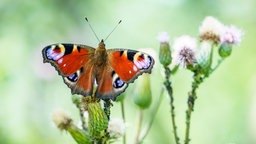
(107, 106)
(139, 126)
(152, 118)
(168, 87)
(123, 116)
(191, 102)
(217, 65)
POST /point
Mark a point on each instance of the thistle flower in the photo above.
(64, 122)
(164, 52)
(184, 51)
(210, 30)
(116, 128)
(163, 37)
(231, 35)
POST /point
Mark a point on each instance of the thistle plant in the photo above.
(185, 52)
(197, 57)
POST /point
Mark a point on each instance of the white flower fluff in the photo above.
(210, 29)
(203, 54)
(231, 35)
(116, 127)
(163, 37)
(184, 51)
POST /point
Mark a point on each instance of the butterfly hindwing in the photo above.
(73, 63)
(109, 83)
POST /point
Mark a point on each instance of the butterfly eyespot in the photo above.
(118, 83)
(54, 52)
(73, 77)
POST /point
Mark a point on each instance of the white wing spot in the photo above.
(135, 68)
(60, 61)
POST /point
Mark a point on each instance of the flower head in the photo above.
(211, 29)
(163, 37)
(184, 51)
(116, 128)
(231, 35)
(62, 120)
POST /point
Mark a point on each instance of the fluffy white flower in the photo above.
(116, 128)
(203, 53)
(184, 51)
(211, 29)
(231, 35)
(163, 37)
(61, 119)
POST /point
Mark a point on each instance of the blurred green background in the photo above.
(225, 111)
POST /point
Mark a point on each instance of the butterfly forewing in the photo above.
(129, 64)
(73, 62)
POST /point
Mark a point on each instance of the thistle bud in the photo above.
(98, 121)
(143, 97)
(165, 51)
(225, 50)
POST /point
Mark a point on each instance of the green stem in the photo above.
(168, 87)
(123, 116)
(191, 102)
(217, 65)
(139, 126)
(153, 115)
(107, 106)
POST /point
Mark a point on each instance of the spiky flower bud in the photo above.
(165, 51)
(225, 50)
(142, 96)
(98, 120)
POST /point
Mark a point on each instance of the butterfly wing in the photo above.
(123, 67)
(74, 64)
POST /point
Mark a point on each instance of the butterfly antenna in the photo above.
(92, 29)
(113, 30)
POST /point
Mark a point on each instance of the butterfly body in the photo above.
(112, 70)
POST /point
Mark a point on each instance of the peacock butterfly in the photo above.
(81, 66)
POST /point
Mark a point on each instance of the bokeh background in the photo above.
(30, 91)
